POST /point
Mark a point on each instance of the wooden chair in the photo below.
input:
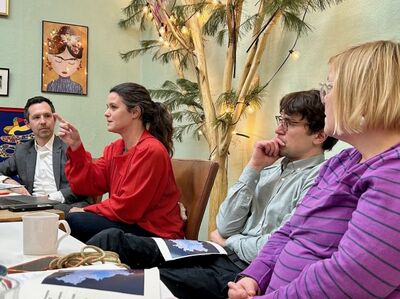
(195, 179)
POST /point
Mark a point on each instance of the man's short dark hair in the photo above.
(308, 105)
(36, 100)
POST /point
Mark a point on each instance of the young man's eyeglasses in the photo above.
(286, 122)
(326, 87)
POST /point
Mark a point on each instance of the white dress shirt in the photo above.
(44, 182)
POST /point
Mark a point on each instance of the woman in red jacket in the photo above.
(135, 171)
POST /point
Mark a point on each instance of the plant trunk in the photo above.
(218, 192)
(220, 188)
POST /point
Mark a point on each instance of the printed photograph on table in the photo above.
(4, 7)
(4, 81)
(122, 281)
(13, 130)
(64, 58)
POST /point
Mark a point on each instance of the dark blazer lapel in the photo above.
(30, 166)
(57, 149)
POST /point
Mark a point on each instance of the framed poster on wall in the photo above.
(64, 58)
(4, 4)
(13, 130)
(4, 81)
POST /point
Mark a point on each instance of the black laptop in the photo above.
(18, 200)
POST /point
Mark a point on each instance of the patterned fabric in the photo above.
(344, 238)
(65, 85)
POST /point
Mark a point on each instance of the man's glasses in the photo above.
(326, 87)
(286, 123)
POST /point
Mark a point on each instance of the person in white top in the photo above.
(39, 163)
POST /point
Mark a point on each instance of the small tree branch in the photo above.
(174, 33)
(251, 53)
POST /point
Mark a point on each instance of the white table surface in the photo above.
(11, 245)
(11, 249)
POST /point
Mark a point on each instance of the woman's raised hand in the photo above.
(68, 133)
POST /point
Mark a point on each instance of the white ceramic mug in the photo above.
(40, 233)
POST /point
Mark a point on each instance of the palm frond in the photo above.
(221, 36)
(297, 6)
(188, 85)
(224, 121)
(323, 4)
(169, 85)
(254, 97)
(177, 115)
(134, 14)
(182, 97)
(170, 55)
(134, 6)
(193, 116)
(271, 6)
(184, 93)
(181, 130)
(185, 11)
(247, 25)
(147, 45)
(293, 22)
(229, 97)
(216, 20)
(193, 122)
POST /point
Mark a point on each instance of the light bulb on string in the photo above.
(184, 30)
(228, 110)
(295, 55)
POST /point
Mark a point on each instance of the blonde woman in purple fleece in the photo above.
(344, 239)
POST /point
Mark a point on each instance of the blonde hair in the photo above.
(366, 92)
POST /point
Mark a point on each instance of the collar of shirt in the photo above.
(300, 164)
(48, 147)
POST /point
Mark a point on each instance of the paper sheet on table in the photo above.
(173, 249)
(99, 281)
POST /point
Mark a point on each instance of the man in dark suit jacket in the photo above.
(39, 163)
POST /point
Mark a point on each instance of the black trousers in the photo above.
(85, 225)
(188, 278)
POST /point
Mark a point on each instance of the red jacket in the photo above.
(140, 184)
